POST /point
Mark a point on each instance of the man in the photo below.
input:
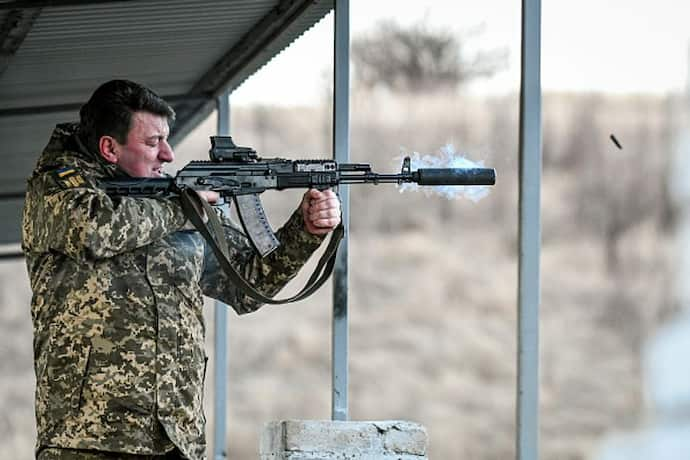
(118, 282)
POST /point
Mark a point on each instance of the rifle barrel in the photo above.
(427, 176)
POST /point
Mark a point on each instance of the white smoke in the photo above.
(447, 157)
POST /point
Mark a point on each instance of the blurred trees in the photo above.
(444, 271)
(614, 199)
(616, 189)
(417, 58)
(606, 248)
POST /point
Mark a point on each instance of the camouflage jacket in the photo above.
(117, 306)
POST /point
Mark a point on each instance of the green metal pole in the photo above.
(529, 234)
(341, 152)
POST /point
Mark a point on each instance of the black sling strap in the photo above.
(194, 208)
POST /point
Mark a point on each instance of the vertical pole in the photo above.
(220, 324)
(341, 152)
(529, 234)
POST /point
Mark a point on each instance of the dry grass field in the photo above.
(433, 283)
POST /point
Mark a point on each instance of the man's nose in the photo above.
(166, 152)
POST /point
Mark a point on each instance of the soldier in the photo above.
(117, 286)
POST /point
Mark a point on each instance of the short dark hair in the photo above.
(109, 111)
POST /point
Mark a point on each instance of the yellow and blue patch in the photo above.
(68, 177)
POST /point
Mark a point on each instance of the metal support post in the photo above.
(341, 152)
(529, 234)
(221, 328)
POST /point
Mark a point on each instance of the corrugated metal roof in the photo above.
(164, 44)
(53, 54)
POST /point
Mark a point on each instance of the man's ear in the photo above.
(108, 148)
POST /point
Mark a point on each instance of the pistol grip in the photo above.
(255, 223)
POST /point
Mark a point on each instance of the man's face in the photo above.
(147, 147)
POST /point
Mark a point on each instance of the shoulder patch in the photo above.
(68, 177)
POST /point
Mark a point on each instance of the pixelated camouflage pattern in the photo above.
(117, 307)
(76, 454)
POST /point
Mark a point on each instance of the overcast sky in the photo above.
(618, 46)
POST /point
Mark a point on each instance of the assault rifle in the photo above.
(239, 174)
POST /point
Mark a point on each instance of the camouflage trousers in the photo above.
(79, 454)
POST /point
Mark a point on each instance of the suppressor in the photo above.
(456, 176)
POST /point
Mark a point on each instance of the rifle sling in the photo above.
(194, 207)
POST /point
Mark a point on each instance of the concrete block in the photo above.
(335, 440)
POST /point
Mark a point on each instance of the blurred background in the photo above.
(433, 282)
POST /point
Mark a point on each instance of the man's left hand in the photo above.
(321, 211)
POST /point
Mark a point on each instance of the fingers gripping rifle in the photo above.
(237, 173)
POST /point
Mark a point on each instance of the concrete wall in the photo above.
(331, 440)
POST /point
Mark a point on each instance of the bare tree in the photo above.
(616, 189)
(417, 58)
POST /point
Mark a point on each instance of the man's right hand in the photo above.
(209, 196)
